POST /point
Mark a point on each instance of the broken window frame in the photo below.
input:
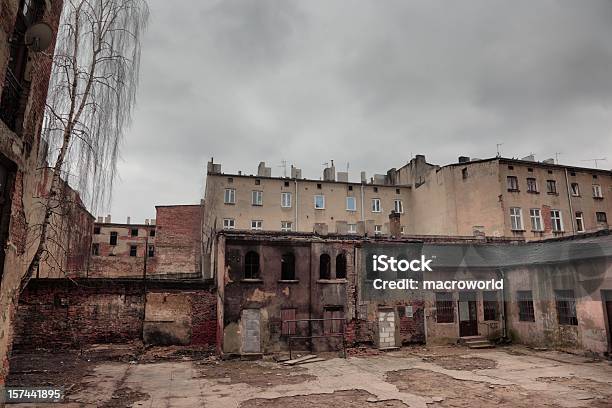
(565, 303)
(288, 266)
(575, 189)
(341, 266)
(524, 303)
(597, 192)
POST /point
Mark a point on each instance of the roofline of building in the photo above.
(530, 163)
(122, 224)
(353, 183)
(178, 205)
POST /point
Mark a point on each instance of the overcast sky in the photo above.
(370, 83)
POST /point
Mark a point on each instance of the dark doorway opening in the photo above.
(468, 315)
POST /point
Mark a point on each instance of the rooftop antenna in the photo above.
(284, 166)
(596, 160)
(557, 154)
(347, 167)
(498, 146)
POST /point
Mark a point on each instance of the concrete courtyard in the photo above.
(412, 377)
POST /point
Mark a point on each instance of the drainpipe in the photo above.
(362, 212)
(296, 205)
(505, 316)
(569, 200)
(144, 285)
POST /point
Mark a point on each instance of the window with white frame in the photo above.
(378, 229)
(556, 220)
(352, 228)
(286, 226)
(286, 200)
(597, 191)
(351, 204)
(319, 202)
(256, 224)
(536, 219)
(257, 197)
(230, 196)
(229, 223)
(376, 207)
(575, 188)
(398, 207)
(579, 221)
(516, 218)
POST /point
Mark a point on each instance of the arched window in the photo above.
(341, 266)
(251, 265)
(288, 267)
(324, 267)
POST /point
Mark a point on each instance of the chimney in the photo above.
(128, 220)
(263, 171)
(343, 176)
(146, 221)
(364, 178)
(329, 173)
(395, 225)
(296, 173)
(100, 219)
(464, 159)
(152, 221)
(107, 219)
(213, 168)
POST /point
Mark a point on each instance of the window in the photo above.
(601, 217)
(376, 205)
(151, 251)
(288, 267)
(229, 223)
(579, 221)
(257, 182)
(398, 207)
(378, 229)
(319, 202)
(352, 228)
(350, 188)
(256, 224)
(575, 188)
(341, 266)
(97, 230)
(251, 265)
(516, 219)
(288, 328)
(597, 191)
(551, 186)
(566, 307)
(536, 219)
(152, 233)
(532, 185)
(230, 196)
(351, 204)
(403, 230)
(464, 173)
(489, 303)
(319, 186)
(230, 179)
(257, 197)
(557, 221)
(113, 238)
(324, 267)
(95, 249)
(286, 200)
(286, 184)
(524, 300)
(333, 318)
(134, 232)
(445, 310)
(376, 189)
(133, 250)
(286, 226)
(512, 182)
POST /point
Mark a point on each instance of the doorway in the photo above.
(386, 328)
(251, 331)
(468, 315)
(606, 299)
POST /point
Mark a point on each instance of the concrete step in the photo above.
(476, 342)
(481, 346)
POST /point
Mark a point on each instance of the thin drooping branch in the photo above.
(91, 96)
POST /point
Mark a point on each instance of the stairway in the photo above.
(476, 342)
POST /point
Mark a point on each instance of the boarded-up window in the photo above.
(333, 320)
(445, 310)
(288, 328)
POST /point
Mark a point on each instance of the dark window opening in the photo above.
(324, 267)
(532, 185)
(319, 186)
(251, 265)
(151, 251)
(594, 176)
(113, 238)
(376, 189)
(134, 232)
(566, 307)
(97, 230)
(489, 303)
(445, 307)
(257, 182)
(464, 173)
(288, 267)
(133, 250)
(333, 320)
(95, 249)
(288, 328)
(601, 217)
(524, 300)
(551, 186)
(397, 191)
(350, 188)
(286, 184)
(230, 179)
(510, 167)
(512, 182)
(341, 266)
(6, 181)
(152, 233)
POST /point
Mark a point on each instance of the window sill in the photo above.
(257, 205)
(288, 281)
(537, 231)
(229, 203)
(332, 281)
(576, 195)
(514, 190)
(533, 192)
(551, 193)
(518, 230)
(597, 198)
(558, 232)
(251, 280)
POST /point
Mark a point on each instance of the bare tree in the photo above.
(91, 96)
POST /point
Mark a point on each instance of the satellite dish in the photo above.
(38, 37)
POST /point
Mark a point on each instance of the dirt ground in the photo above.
(134, 376)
